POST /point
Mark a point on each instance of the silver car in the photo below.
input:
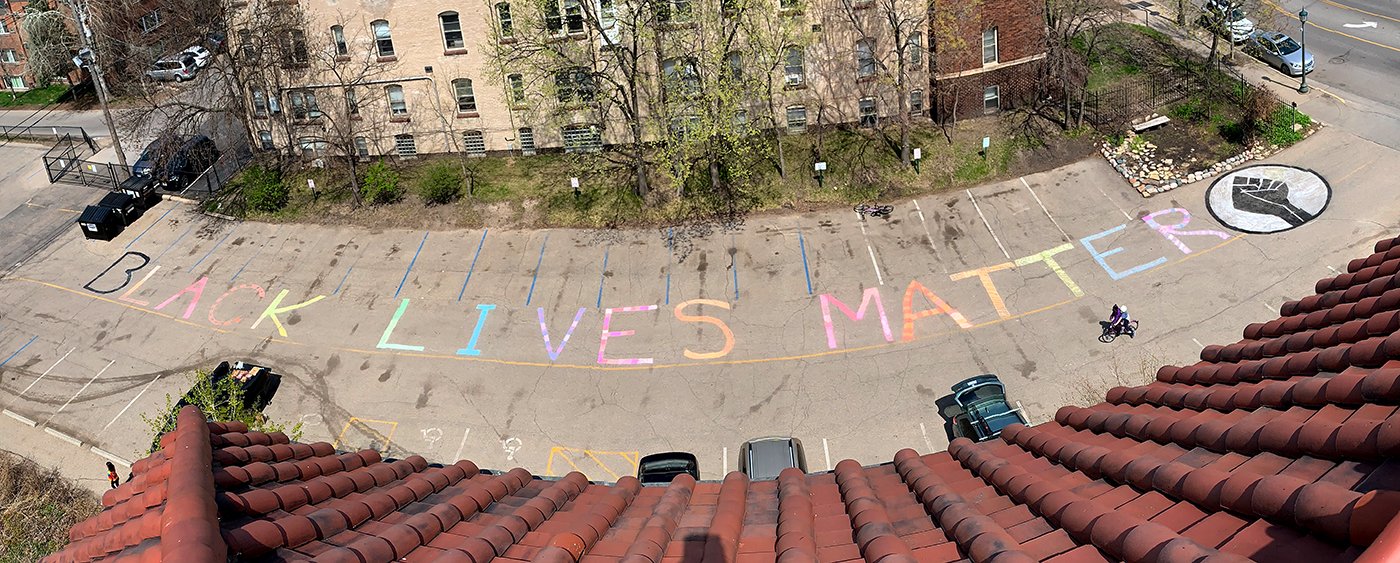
(179, 68)
(1281, 52)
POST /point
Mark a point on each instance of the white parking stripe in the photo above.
(826, 448)
(988, 225)
(1115, 204)
(861, 221)
(133, 400)
(1047, 211)
(927, 442)
(46, 372)
(927, 235)
(80, 392)
(458, 455)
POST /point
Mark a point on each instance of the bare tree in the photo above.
(1072, 39)
(50, 42)
(889, 48)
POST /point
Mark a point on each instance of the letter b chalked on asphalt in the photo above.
(1268, 198)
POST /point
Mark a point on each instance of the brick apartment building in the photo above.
(12, 52)
(435, 89)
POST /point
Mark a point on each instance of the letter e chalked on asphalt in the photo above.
(1268, 198)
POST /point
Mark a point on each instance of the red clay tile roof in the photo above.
(1280, 447)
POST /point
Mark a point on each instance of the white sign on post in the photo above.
(986, 142)
(573, 182)
(918, 153)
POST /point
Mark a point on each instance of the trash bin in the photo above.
(142, 189)
(123, 204)
(100, 223)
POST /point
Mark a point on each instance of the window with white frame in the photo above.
(311, 146)
(916, 102)
(583, 138)
(503, 20)
(338, 40)
(568, 20)
(466, 98)
(15, 82)
(404, 145)
(916, 49)
(9, 56)
(259, 102)
(274, 104)
(4, 27)
(474, 142)
(868, 116)
(865, 58)
(794, 66)
(150, 21)
(398, 106)
(383, 39)
(452, 31)
(991, 99)
(361, 147)
(352, 103)
(304, 104)
(527, 140)
(989, 46)
(681, 74)
(797, 118)
(607, 14)
(265, 139)
(517, 88)
(573, 15)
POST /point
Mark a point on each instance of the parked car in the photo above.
(1226, 18)
(981, 411)
(765, 458)
(1281, 52)
(202, 56)
(257, 383)
(663, 467)
(215, 41)
(179, 68)
(173, 162)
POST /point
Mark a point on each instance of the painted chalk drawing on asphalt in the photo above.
(1268, 198)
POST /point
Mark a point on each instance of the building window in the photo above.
(383, 40)
(9, 56)
(527, 141)
(794, 69)
(503, 19)
(673, 11)
(4, 27)
(451, 31)
(916, 49)
(474, 143)
(583, 138)
(274, 104)
(865, 58)
(989, 46)
(265, 138)
(245, 43)
(352, 103)
(361, 147)
(741, 118)
(607, 14)
(736, 65)
(397, 105)
(294, 48)
(575, 84)
(681, 73)
(787, 4)
(797, 118)
(517, 88)
(338, 39)
(466, 99)
(916, 102)
(304, 104)
(405, 146)
(555, 21)
(150, 21)
(868, 116)
(991, 99)
(15, 82)
(259, 102)
(311, 146)
(573, 14)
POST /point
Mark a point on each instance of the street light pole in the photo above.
(100, 84)
(1303, 57)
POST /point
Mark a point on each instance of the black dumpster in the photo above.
(142, 189)
(123, 204)
(99, 222)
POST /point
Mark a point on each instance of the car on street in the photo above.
(980, 410)
(765, 458)
(1281, 52)
(1226, 18)
(663, 467)
(202, 56)
(179, 68)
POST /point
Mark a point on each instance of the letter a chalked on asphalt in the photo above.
(1268, 198)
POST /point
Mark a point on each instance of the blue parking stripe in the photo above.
(473, 266)
(802, 244)
(603, 275)
(215, 247)
(342, 280)
(410, 264)
(177, 241)
(21, 349)
(536, 276)
(148, 227)
(256, 253)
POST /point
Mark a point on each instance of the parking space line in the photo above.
(472, 268)
(826, 448)
(1114, 203)
(457, 456)
(342, 280)
(215, 247)
(46, 372)
(988, 225)
(21, 349)
(148, 227)
(133, 401)
(177, 241)
(603, 274)
(1198, 343)
(802, 245)
(861, 221)
(80, 392)
(927, 441)
(536, 275)
(725, 469)
(410, 263)
(927, 235)
(1047, 211)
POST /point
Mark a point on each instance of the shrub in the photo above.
(1277, 129)
(381, 184)
(37, 507)
(441, 184)
(264, 189)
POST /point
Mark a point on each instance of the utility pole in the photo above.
(85, 33)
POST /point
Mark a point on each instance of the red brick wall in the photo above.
(957, 44)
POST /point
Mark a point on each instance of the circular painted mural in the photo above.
(1267, 198)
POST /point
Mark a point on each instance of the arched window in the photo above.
(383, 40)
(338, 41)
(503, 19)
(451, 31)
(466, 98)
(397, 105)
(794, 69)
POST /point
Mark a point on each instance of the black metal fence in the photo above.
(46, 133)
(64, 163)
(1139, 96)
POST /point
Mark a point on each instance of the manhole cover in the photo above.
(1267, 198)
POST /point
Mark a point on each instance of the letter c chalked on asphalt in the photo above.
(1268, 198)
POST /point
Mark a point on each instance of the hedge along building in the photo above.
(406, 77)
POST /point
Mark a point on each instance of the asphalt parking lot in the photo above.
(560, 350)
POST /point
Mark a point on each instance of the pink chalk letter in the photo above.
(197, 288)
(871, 294)
(544, 330)
(1171, 232)
(603, 344)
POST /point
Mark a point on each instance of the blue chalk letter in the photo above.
(471, 350)
(1099, 256)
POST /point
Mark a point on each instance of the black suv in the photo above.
(173, 162)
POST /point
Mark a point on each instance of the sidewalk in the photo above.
(74, 460)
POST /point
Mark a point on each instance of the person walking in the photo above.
(112, 475)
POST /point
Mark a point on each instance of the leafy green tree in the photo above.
(381, 184)
(441, 184)
(220, 401)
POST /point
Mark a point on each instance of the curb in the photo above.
(110, 456)
(62, 436)
(20, 418)
(180, 199)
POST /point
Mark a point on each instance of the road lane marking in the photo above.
(1328, 29)
(1346, 7)
(988, 225)
(1047, 211)
(80, 392)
